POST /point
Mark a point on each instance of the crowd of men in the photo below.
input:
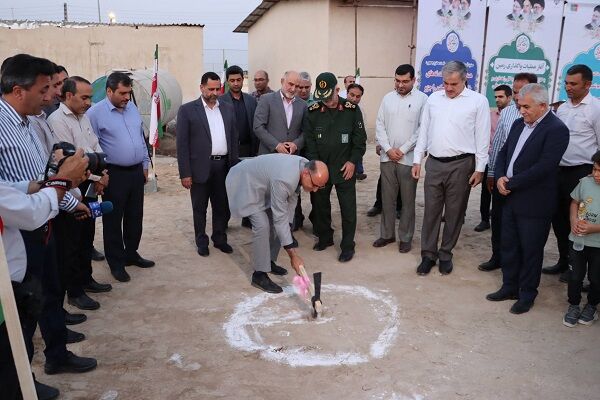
(250, 155)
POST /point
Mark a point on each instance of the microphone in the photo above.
(99, 209)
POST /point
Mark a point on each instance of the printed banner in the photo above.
(522, 36)
(450, 30)
(580, 43)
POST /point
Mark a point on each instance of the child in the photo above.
(585, 226)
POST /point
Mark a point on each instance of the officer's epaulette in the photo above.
(314, 107)
(349, 105)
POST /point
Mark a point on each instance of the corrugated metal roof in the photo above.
(31, 24)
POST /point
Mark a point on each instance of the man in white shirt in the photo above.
(581, 114)
(348, 80)
(397, 130)
(455, 131)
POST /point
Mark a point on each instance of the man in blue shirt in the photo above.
(118, 125)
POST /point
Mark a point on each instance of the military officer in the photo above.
(334, 134)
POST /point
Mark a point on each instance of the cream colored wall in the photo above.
(291, 35)
(93, 50)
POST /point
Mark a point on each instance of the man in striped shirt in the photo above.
(507, 117)
(24, 85)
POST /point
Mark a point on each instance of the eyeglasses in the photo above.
(313, 182)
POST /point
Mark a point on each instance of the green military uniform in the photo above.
(334, 136)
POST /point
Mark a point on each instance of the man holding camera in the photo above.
(118, 124)
(70, 124)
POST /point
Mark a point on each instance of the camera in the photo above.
(96, 163)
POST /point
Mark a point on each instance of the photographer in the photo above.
(21, 211)
(76, 236)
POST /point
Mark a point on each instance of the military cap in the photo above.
(325, 85)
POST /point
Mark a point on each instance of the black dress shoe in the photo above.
(425, 266)
(297, 224)
(262, 281)
(246, 223)
(373, 211)
(72, 363)
(278, 270)
(96, 255)
(141, 262)
(94, 287)
(502, 295)
(559, 267)
(120, 274)
(74, 337)
(320, 246)
(224, 247)
(294, 242)
(203, 251)
(383, 242)
(565, 276)
(483, 225)
(521, 307)
(45, 392)
(346, 255)
(445, 267)
(84, 302)
(74, 319)
(489, 265)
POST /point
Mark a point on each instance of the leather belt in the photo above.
(450, 159)
(219, 157)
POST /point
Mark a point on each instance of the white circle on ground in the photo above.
(242, 329)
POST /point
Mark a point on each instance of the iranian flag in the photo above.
(224, 84)
(357, 76)
(155, 127)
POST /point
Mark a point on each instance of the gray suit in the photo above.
(270, 123)
(265, 188)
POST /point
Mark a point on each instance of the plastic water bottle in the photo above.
(579, 240)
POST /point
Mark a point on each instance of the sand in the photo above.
(194, 328)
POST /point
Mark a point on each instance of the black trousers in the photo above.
(568, 178)
(485, 199)
(9, 381)
(123, 226)
(214, 190)
(42, 267)
(378, 204)
(497, 204)
(582, 262)
(523, 240)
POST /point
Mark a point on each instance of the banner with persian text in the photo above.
(580, 43)
(449, 30)
(522, 36)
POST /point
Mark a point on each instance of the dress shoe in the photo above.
(120, 274)
(96, 255)
(502, 295)
(483, 226)
(521, 307)
(445, 267)
(277, 270)
(224, 247)
(320, 246)
(425, 266)
(565, 276)
(489, 265)
(140, 262)
(84, 302)
(383, 242)
(373, 211)
(346, 255)
(262, 281)
(246, 223)
(45, 392)
(94, 287)
(74, 337)
(203, 251)
(297, 224)
(361, 177)
(72, 363)
(294, 242)
(74, 319)
(559, 267)
(404, 247)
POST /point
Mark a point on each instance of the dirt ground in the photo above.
(194, 328)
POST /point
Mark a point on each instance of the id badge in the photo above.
(345, 137)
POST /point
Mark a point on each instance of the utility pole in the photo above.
(99, 19)
(66, 15)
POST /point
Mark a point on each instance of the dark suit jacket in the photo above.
(194, 142)
(534, 184)
(250, 104)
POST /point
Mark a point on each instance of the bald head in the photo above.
(261, 80)
(314, 176)
(289, 83)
